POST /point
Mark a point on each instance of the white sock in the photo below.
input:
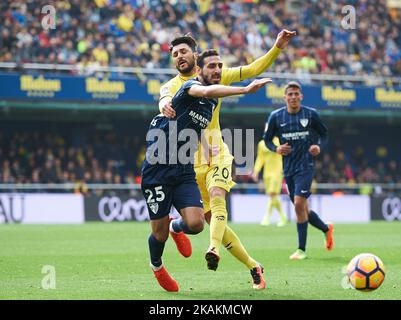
(171, 227)
(155, 268)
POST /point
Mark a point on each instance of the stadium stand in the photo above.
(69, 156)
(134, 33)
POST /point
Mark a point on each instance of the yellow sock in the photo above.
(233, 244)
(277, 204)
(218, 222)
(268, 214)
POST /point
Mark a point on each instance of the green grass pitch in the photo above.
(110, 261)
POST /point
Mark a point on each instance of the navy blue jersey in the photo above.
(300, 130)
(194, 113)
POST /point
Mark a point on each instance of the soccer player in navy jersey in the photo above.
(168, 176)
(302, 135)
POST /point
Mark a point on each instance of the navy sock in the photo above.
(156, 251)
(302, 229)
(315, 221)
(179, 225)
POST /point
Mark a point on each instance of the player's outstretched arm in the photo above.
(261, 64)
(221, 91)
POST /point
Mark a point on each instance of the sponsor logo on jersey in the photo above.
(198, 117)
(304, 122)
(296, 135)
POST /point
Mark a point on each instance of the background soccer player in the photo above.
(301, 134)
(214, 176)
(272, 164)
(165, 180)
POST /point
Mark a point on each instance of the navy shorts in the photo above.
(179, 190)
(299, 184)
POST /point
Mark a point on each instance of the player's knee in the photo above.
(217, 192)
(300, 208)
(160, 236)
(302, 214)
(197, 225)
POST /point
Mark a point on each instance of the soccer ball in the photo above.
(366, 272)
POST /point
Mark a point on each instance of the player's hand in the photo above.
(168, 110)
(314, 150)
(284, 37)
(255, 85)
(284, 149)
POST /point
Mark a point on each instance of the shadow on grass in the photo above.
(337, 259)
(267, 294)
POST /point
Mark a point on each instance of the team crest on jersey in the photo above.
(304, 122)
(154, 207)
(164, 91)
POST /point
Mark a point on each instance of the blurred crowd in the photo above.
(353, 169)
(337, 167)
(39, 157)
(112, 158)
(136, 33)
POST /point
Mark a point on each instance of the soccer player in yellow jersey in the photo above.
(213, 164)
(272, 164)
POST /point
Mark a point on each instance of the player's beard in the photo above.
(187, 70)
(208, 79)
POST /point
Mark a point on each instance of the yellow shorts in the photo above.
(216, 175)
(273, 184)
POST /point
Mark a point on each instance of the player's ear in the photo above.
(301, 96)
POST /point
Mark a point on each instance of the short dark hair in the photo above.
(292, 84)
(187, 39)
(204, 55)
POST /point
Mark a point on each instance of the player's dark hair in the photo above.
(187, 39)
(204, 55)
(292, 84)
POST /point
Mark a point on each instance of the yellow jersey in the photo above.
(272, 162)
(228, 76)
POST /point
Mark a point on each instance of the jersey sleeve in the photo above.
(188, 84)
(270, 132)
(320, 128)
(230, 75)
(166, 90)
(260, 65)
(254, 69)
